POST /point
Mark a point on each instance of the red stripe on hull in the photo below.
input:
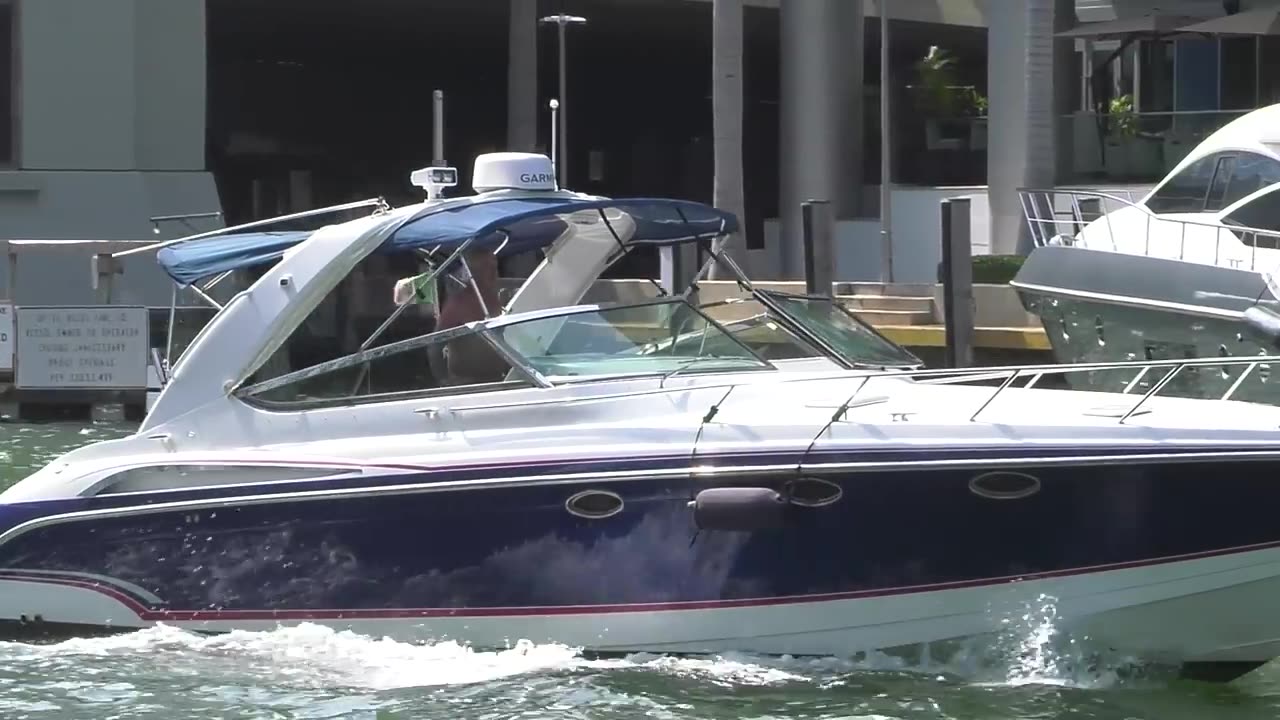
(153, 615)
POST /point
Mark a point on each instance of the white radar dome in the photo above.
(512, 171)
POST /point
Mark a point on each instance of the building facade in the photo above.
(113, 112)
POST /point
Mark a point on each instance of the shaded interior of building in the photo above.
(316, 102)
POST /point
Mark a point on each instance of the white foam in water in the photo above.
(313, 654)
(1028, 652)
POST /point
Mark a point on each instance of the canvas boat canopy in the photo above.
(514, 224)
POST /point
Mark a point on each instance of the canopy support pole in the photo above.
(256, 223)
(431, 277)
(168, 342)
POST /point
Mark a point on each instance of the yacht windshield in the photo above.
(752, 324)
(654, 338)
(856, 341)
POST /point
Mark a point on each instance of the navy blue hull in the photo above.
(515, 548)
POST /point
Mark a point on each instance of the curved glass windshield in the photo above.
(656, 338)
(750, 323)
(843, 332)
(1262, 213)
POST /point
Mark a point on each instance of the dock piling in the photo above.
(818, 236)
(957, 282)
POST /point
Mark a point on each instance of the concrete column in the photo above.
(112, 86)
(169, 64)
(1020, 78)
(1065, 84)
(821, 113)
(522, 76)
(112, 120)
(522, 102)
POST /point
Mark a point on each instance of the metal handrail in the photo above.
(1012, 373)
(1040, 209)
(1009, 374)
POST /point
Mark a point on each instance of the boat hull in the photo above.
(1100, 307)
(1130, 333)
(1176, 559)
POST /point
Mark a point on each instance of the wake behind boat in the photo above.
(637, 476)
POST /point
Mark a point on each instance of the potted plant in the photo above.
(977, 108)
(1122, 131)
(937, 99)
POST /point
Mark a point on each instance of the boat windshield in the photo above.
(839, 330)
(649, 339)
(756, 326)
(514, 352)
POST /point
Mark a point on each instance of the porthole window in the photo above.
(1098, 328)
(1002, 485)
(812, 492)
(594, 504)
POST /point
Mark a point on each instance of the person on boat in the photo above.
(468, 359)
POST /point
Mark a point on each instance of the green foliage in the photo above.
(996, 269)
(1123, 119)
(937, 77)
(936, 91)
(992, 269)
(977, 102)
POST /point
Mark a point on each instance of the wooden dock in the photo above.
(1030, 339)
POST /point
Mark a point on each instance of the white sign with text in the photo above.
(101, 347)
(6, 337)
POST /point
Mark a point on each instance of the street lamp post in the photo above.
(561, 21)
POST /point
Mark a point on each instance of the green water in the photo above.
(313, 672)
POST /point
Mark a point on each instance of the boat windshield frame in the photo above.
(774, 300)
(523, 368)
(680, 302)
(768, 316)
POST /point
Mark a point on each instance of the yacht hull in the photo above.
(1175, 559)
(1099, 307)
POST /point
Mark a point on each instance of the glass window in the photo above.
(1268, 82)
(1156, 75)
(656, 338)
(1218, 188)
(1263, 212)
(8, 80)
(749, 323)
(1251, 173)
(1239, 73)
(449, 362)
(847, 335)
(1186, 191)
(1196, 76)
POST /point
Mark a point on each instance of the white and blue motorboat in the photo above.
(634, 476)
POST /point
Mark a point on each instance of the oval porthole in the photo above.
(1100, 330)
(812, 492)
(594, 504)
(1002, 485)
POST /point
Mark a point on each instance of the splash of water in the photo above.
(1030, 650)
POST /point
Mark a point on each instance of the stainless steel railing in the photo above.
(1057, 216)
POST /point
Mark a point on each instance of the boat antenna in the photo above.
(437, 128)
(555, 167)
